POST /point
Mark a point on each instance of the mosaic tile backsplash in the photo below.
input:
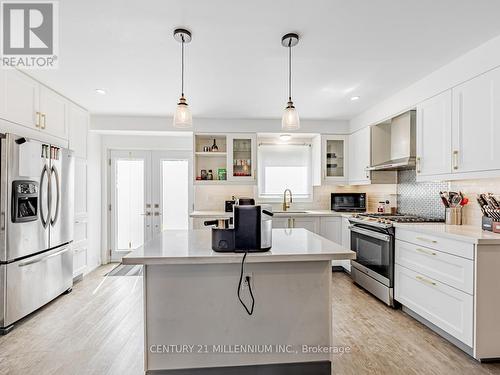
(419, 198)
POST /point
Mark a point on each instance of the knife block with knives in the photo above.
(490, 207)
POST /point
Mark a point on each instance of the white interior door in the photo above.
(150, 192)
(130, 201)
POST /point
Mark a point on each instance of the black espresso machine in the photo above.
(251, 230)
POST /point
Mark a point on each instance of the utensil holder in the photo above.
(453, 215)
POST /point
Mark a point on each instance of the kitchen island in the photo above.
(195, 324)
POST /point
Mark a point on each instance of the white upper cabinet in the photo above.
(24, 101)
(19, 98)
(78, 129)
(241, 160)
(359, 157)
(54, 110)
(334, 158)
(476, 124)
(434, 136)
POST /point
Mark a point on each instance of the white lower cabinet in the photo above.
(309, 223)
(330, 227)
(446, 307)
(434, 277)
(346, 241)
(281, 222)
(79, 260)
(452, 270)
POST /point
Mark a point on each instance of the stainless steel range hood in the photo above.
(394, 143)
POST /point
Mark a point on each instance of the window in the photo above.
(283, 167)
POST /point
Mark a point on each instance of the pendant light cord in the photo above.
(182, 66)
(290, 70)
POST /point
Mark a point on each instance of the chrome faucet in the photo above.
(286, 205)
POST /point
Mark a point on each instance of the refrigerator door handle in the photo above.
(45, 220)
(53, 171)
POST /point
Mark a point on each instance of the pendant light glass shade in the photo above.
(290, 119)
(182, 117)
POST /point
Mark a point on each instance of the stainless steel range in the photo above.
(372, 238)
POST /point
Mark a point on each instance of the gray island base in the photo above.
(195, 324)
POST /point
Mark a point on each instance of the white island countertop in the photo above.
(194, 247)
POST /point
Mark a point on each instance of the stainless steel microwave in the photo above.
(348, 202)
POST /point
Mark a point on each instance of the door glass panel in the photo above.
(175, 174)
(335, 158)
(129, 204)
(242, 157)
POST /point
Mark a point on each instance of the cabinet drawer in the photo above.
(446, 307)
(462, 249)
(449, 269)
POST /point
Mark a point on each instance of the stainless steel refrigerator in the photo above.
(36, 225)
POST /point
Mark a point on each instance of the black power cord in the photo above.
(247, 279)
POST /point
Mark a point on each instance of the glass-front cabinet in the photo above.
(334, 155)
(241, 163)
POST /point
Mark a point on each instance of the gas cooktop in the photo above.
(386, 220)
(400, 218)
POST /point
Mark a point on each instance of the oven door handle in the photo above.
(369, 233)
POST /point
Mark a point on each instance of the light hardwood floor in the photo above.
(97, 329)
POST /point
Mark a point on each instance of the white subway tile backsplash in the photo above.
(212, 197)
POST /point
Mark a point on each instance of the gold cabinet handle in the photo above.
(37, 120)
(423, 251)
(426, 239)
(424, 280)
(455, 159)
(418, 165)
(44, 118)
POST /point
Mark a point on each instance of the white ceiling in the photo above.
(236, 66)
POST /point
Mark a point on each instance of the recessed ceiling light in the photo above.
(285, 137)
(100, 91)
(354, 98)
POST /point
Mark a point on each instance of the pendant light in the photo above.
(290, 119)
(182, 117)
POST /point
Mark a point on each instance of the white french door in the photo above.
(149, 192)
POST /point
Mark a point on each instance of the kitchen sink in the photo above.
(290, 212)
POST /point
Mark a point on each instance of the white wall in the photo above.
(94, 254)
(475, 62)
(118, 124)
